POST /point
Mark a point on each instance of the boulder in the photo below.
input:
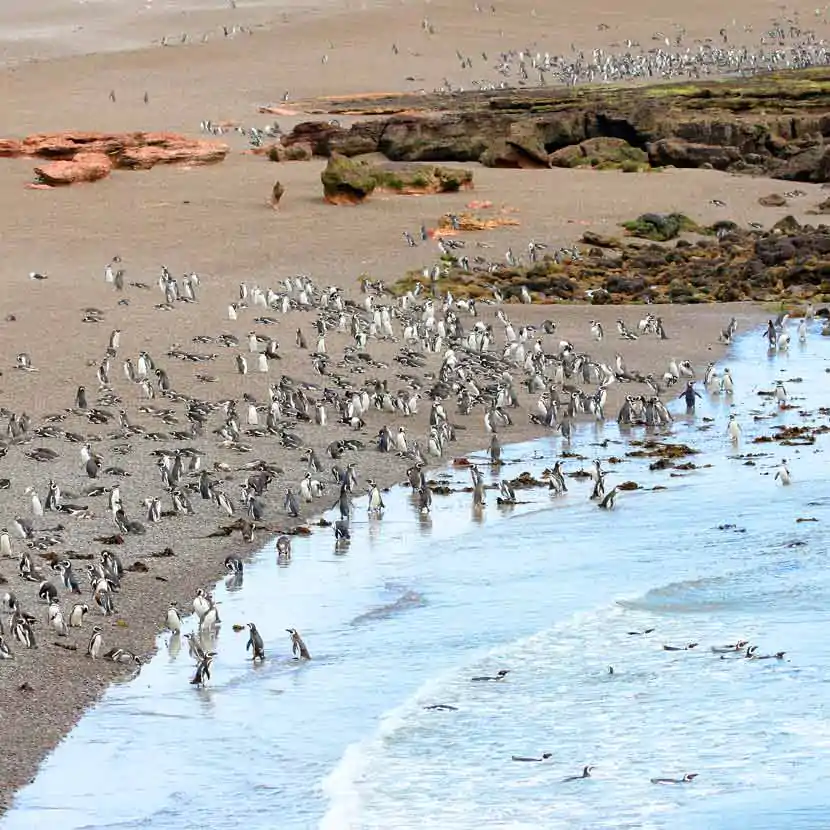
(85, 167)
(600, 240)
(351, 181)
(660, 227)
(678, 152)
(168, 148)
(773, 200)
(602, 152)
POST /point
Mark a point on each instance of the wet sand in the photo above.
(215, 221)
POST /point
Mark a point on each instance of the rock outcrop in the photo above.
(84, 167)
(80, 156)
(724, 264)
(776, 124)
(349, 181)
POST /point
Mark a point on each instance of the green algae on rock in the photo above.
(351, 180)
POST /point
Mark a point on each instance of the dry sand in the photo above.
(215, 221)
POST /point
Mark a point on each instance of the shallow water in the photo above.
(549, 589)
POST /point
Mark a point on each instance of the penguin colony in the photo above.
(136, 458)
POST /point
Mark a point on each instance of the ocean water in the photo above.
(548, 589)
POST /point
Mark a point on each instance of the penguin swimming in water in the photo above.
(298, 647)
(203, 669)
(586, 773)
(546, 756)
(501, 674)
(686, 779)
(440, 707)
(255, 642)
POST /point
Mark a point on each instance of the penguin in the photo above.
(586, 773)
(47, 591)
(201, 605)
(298, 647)
(203, 669)
(96, 642)
(376, 504)
(57, 621)
(341, 531)
(80, 398)
(495, 449)
(608, 500)
(686, 779)
(291, 504)
(5, 545)
(241, 364)
(121, 655)
(37, 507)
(783, 473)
(22, 631)
(546, 756)
(234, 565)
(194, 646)
(283, 548)
(501, 674)
(211, 619)
(5, 651)
(780, 394)
(734, 429)
(255, 642)
(424, 499)
(76, 616)
(173, 622)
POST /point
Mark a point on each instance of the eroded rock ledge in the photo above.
(89, 156)
(775, 124)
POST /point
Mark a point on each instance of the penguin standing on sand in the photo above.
(96, 643)
(77, 614)
(298, 647)
(255, 642)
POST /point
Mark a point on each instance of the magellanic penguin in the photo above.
(173, 622)
(76, 616)
(56, 620)
(283, 548)
(376, 504)
(783, 473)
(255, 642)
(96, 643)
(203, 669)
(586, 773)
(5, 651)
(298, 647)
(734, 429)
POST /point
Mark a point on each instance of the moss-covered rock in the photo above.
(602, 153)
(660, 227)
(351, 180)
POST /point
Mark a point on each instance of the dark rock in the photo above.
(773, 200)
(680, 153)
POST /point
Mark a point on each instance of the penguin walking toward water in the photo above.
(96, 643)
(780, 393)
(255, 642)
(203, 669)
(298, 647)
(283, 548)
(608, 501)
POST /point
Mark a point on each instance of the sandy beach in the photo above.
(62, 67)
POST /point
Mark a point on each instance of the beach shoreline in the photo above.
(215, 222)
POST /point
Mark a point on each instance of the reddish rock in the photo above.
(85, 167)
(137, 151)
(10, 148)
